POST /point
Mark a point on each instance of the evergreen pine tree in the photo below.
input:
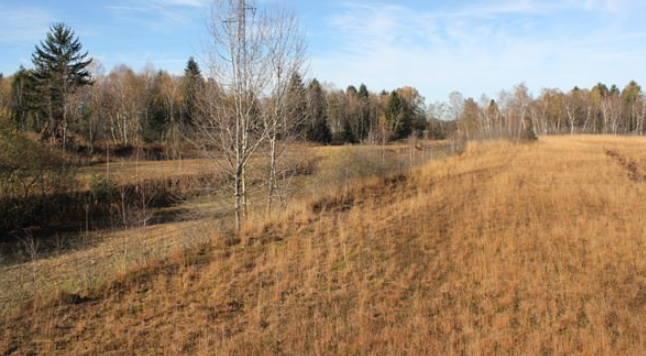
(399, 122)
(393, 109)
(364, 97)
(602, 89)
(193, 81)
(614, 90)
(21, 91)
(155, 124)
(363, 92)
(192, 70)
(318, 129)
(297, 112)
(346, 135)
(60, 68)
(350, 118)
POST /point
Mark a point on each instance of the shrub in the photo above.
(530, 134)
(350, 164)
(33, 181)
(102, 188)
(30, 169)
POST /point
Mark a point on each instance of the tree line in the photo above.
(66, 96)
(69, 99)
(517, 114)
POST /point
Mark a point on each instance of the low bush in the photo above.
(34, 181)
(351, 164)
(102, 188)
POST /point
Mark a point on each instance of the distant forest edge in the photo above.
(66, 99)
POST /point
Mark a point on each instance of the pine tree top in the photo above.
(192, 69)
(61, 56)
(296, 84)
(363, 91)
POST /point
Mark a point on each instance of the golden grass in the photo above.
(133, 171)
(95, 256)
(99, 257)
(506, 250)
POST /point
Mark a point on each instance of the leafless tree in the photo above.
(125, 94)
(282, 117)
(572, 105)
(169, 92)
(640, 109)
(611, 107)
(252, 54)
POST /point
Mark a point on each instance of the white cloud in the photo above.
(160, 15)
(126, 8)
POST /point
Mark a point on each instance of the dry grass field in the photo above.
(534, 249)
(133, 171)
(73, 261)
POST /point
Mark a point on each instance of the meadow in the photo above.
(505, 249)
(89, 253)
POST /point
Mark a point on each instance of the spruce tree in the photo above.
(363, 92)
(364, 96)
(155, 123)
(394, 110)
(193, 82)
(192, 70)
(398, 117)
(318, 129)
(22, 93)
(614, 90)
(602, 89)
(60, 67)
(297, 112)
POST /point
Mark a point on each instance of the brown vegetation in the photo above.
(533, 249)
(144, 210)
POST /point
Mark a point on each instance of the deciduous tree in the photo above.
(252, 56)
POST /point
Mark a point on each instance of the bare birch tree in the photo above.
(252, 54)
(282, 118)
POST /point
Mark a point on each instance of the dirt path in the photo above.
(629, 165)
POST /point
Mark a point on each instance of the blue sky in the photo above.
(475, 47)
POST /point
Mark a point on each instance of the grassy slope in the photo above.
(533, 249)
(87, 259)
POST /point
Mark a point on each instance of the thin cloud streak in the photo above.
(189, 3)
(156, 15)
(127, 8)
